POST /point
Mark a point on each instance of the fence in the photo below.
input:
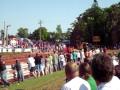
(5, 50)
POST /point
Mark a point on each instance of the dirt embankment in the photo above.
(10, 58)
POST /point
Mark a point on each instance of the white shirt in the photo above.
(78, 55)
(62, 58)
(114, 84)
(31, 61)
(115, 60)
(97, 51)
(76, 84)
(115, 63)
(83, 54)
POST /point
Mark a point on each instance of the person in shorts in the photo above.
(31, 65)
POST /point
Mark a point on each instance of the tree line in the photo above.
(42, 33)
(103, 23)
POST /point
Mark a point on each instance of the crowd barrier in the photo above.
(5, 50)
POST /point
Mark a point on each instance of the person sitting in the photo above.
(86, 73)
(103, 72)
(74, 82)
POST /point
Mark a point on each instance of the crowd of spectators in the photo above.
(85, 69)
(93, 70)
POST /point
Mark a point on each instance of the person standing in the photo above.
(18, 68)
(86, 73)
(117, 69)
(50, 61)
(38, 64)
(31, 65)
(55, 61)
(43, 64)
(103, 72)
(73, 81)
(74, 56)
(115, 58)
(46, 65)
(62, 61)
(3, 72)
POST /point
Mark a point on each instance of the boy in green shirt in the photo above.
(85, 73)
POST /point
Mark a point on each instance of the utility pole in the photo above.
(40, 29)
(4, 35)
(7, 34)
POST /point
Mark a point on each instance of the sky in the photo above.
(28, 13)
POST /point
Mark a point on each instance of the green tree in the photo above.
(113, 23)
(51, 36)
(22, 32)
(88, 24)
(58, 32)
(40, 33)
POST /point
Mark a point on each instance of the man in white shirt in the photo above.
(74, 82)
(102, 69)
(115, 59)
(113, 84)
(31, 65)
(62, 60)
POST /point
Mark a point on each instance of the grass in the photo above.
(49, 82)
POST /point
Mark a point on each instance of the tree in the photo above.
(97, 21)
(89, 24)
(58, 32)
(113, 23)
(40, 32)
(22, 32)
(51, 36)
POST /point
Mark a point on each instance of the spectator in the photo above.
(31, 65)
(62, 61)
(115, 59)
(119, 55)
(38, 64)
(117, 69)
(102, 69)
(68, 57)
(85, 73)
(18, 68)
(46, 65)
(42, 65)
(74, 82)
(55, 61)
(83, 55)
(74, 55)
(3, 72)
(78, 55)
(50, 61)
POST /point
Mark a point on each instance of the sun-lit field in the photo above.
(49, 82)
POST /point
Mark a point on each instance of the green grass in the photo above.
(49, 82)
